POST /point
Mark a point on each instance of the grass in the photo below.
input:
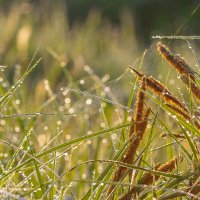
(65, 118)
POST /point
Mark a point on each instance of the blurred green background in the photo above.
(106, 35)
(149, 16)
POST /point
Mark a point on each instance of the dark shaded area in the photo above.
(151, 16)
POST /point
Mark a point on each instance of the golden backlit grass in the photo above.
(75, 123)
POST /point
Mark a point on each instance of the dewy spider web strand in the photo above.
(182, 37)
(85, 93)
(2, 116)
(177, 37)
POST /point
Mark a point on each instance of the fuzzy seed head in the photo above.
(177, 62)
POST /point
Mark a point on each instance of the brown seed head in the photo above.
(181, 66)
(148, 178)
(131, 151)
(140, 105)
(159, 89)
(131, 129)
(177, 135)
(181, 113)
(195, 89)
(140, 101)
(195, 189)
(169, 166)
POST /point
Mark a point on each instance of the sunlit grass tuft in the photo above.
(72, 118)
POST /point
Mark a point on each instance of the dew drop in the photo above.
(3, 122)
(67, 100)
(104, 141)
(89, 132)
(107, 89)
(65, 92)
(58, 122)
(61, 108)
(89, 142)
(17, 129)
(82, 82)
(102, 125)
(68, 137)
(17, 101)
(5, 155)
(71, 110)
(88, 101)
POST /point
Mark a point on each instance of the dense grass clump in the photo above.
(42, 158)
(79, 124)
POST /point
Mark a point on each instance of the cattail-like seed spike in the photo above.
(169, 166)
(195, 89)
(159, 89)
(140, 105)
(159, 84)
(131, 129)
(174, 101)
(143, 124)
(179, 112)
(163, 92)
(196, 123)
(147, 179)
(177, 135)
(140, 75)
(184, 115)
(140, 101)
(195, 189)
(181, 66)
(131, 151)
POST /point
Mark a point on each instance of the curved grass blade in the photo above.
(71, 142)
